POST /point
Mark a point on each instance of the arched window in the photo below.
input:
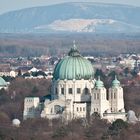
(83, 108)
(77, 109)
(115, 96)
(97, 95)
(62, 91)
(107, 96)
(111, 95)
(56, 91)
(78, 90)
(51, 110)
(70, 90)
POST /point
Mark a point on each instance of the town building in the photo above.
(5, 70)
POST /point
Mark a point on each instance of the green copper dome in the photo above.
(2, 82)
(99, 83)
(116, 82)
(73, 66)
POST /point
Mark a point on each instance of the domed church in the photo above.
(76, 94)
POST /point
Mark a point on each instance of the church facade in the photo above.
(76, 94)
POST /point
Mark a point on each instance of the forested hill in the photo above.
(88, 44)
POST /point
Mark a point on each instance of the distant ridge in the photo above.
(66, 17)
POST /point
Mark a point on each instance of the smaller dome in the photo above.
(99, 83)
(131, 117)
(2, 82)
(116, 82)
(16, 122)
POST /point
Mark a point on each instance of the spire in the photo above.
(116, 77)
(74, 45)
(99, 78)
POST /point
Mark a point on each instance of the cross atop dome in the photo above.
(74, 45)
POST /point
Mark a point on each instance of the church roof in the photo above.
(73, 66)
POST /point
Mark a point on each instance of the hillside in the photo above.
(72, 17)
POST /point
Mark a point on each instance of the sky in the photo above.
(9, 5)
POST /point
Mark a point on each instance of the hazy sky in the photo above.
(8, 5)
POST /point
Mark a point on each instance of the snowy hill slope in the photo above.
(72, 17)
